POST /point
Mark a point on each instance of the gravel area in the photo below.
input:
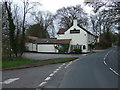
(40, 56)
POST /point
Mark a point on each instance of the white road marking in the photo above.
(57, 69)
(114, 71)
(75, 60)
(9, 81)
(111, 69)
(48, 78)
(54, 71)
(107, 54)
(105, 63)
(43, 83)
(63, 64)
(51, 74)
(60, 67)
(68, 64)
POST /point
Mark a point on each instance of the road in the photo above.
(85, 72)
(112, 60)
(27, 78)
(91, 72)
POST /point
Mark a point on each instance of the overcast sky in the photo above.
(53, 5)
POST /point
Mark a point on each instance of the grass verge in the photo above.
(13, 62)
(54, 61)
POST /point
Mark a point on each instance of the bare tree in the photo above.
(14, 26)
(106, 16)
(45, 20)
(11, 26)
(65, 16)
(27, 6)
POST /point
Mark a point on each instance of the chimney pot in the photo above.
(75, 22)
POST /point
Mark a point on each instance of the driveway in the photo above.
(41, 56)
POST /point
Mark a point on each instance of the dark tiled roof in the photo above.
(62, 31)
(86, 30)
(49, 40)
(46, 41)
(53, 41)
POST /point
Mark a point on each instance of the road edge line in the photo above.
(107, 65)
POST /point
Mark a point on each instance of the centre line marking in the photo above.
(57, 69)
(54, 71)
(51, 74)
(43, 83)
(60, 67)
(68, 64)
(63, 64)
(48, 78)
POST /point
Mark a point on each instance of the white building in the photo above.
(80, 37)
(75, 37)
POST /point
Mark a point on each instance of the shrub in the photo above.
(77, 51)
(64, 48)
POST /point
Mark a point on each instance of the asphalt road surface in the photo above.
(91, 72)
(27, 78)
(113, 59)
(85, 72)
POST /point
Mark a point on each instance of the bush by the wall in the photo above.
(64, 48)
(77, 51)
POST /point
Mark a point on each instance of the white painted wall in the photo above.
(31, 46)
(46, 48)
(76, 38)
(91, 38)
(82, 38)
(34, 47)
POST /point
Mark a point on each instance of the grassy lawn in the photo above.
(61, 60)
(6, 63)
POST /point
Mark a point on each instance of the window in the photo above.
(75, 47)
(84, 47)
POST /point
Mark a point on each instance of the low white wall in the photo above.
(46, 48)
(34, 47)
(31, 47)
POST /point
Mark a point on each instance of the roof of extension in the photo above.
(32, 37)
(53, 41)
(48, 40)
